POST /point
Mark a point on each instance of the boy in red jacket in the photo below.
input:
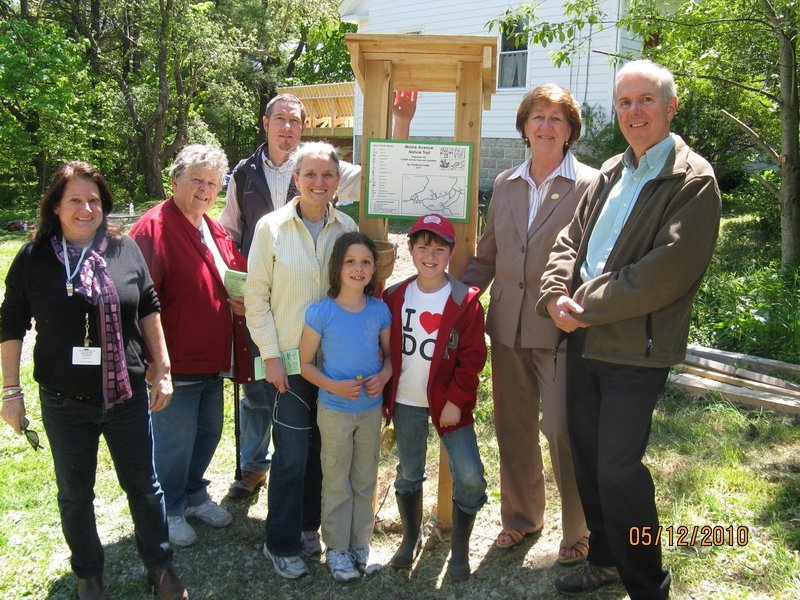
(438, 350)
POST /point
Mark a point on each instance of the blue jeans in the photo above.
(186, 434)
(255, 421)
(294, 494)
(73, 429)
(411, 433)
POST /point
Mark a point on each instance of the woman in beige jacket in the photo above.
(531, 203)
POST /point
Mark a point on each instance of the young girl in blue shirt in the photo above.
(351, 328)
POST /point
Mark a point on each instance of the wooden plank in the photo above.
(700, 385)
(489, 75)
(722, 367)
(356, 63)
(420, 43)
(433, 78)
(756, 363)
(733, 380)
(376, 122)
(467, 128)
(468, 107)
(421, 58)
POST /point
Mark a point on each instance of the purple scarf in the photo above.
(97, 288)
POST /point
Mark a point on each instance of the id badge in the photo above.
(86, 356)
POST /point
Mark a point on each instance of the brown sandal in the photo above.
(509, 538)
(582, 549)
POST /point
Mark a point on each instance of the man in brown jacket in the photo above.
(620, 281)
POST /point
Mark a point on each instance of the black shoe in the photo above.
(166, 584)
(585, 578)
(458, 567)
(410, 508)
(92, 589)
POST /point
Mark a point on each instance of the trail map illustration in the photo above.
(433, 193)
(408, 179)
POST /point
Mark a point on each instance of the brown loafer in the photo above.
(92, 589)
(167, 585)
(247, 485)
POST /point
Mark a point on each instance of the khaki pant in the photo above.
(521, 378)
(350, 448)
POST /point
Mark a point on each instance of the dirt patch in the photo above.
(403, 266)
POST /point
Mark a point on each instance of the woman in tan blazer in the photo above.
(531, 203)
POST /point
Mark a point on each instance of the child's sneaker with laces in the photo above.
(341, 566)
(360, 558)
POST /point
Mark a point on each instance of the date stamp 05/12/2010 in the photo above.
(690, 535)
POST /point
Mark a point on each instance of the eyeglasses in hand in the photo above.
(30, 434)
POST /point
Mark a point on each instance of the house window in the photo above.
(513, 63)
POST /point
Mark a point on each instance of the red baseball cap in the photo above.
(435, 224)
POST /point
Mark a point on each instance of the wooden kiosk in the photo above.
(466, 65)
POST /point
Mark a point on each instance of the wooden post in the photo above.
(467, 129)
(377, 122)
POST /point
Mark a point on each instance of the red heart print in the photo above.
(430, 322)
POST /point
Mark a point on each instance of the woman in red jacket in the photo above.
(188, 254)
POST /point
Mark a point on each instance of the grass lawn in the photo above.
(732, 470)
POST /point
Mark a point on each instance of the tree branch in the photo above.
(771, 188)
(301, 45)
(771, 15)
(775, 98)
(758, 139)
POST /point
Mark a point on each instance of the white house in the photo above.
(589, 77)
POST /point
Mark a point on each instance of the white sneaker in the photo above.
(210, 513)
(288, 567)
(180, 532)
(312, 545)
(360, 558)
(341, 566)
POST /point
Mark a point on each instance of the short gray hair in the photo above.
(664, 75)
(307, 149)
(204, 155)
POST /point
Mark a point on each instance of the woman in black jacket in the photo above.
(89, 291)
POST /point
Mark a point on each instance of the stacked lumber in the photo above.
(741, 378)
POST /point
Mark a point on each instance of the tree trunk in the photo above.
(32, 126)
(151, 168)
(790, 151)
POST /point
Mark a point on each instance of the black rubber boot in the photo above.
(410, 508)
(458, 567)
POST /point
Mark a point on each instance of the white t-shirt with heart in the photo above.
(421, 314)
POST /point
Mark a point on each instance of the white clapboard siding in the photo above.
(589, 77)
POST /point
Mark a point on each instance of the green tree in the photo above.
(44, 100)
(326, 59)
(126, 83)
(740, 55)
(161, 54)
(277, 35)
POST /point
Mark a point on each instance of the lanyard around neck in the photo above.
(71, 274)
